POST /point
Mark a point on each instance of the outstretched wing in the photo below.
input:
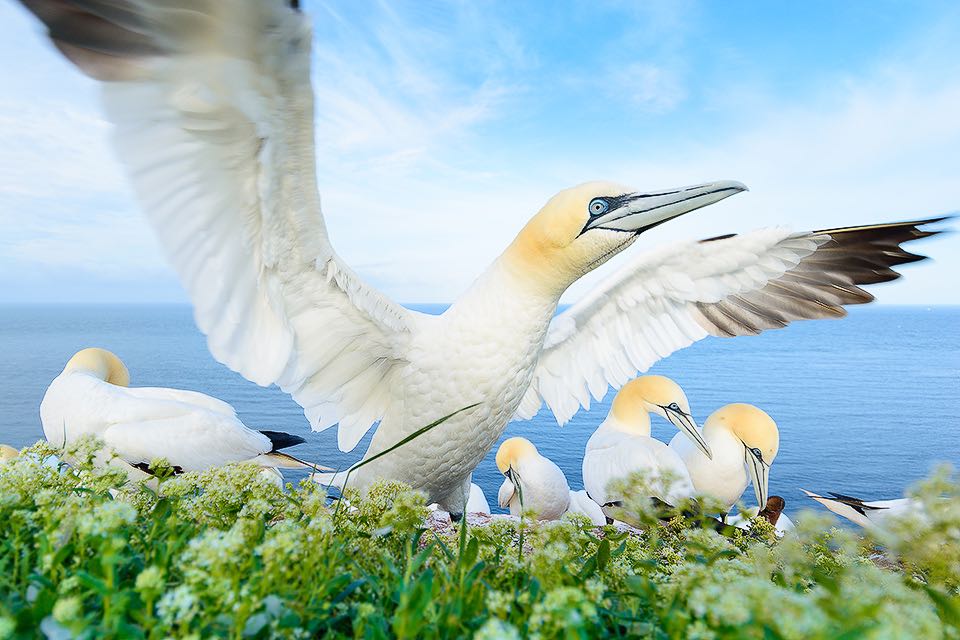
(213, 113)
(729, 286)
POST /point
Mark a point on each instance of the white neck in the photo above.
(503, 300)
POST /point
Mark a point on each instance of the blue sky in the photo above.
(443, 126)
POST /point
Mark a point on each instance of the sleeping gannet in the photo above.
(622, 444)
(744, 442)
(213, 119)
(867, 514)
(193, 431)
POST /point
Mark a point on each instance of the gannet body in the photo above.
(7, 452)
(212, 111)
(193, 431)
(867, 514)
(532, 483)
(581, 503)
(622, 444)
(744, 442)
(477, 502)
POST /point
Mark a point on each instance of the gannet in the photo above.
(193, 431)
(7, 452)
(532, 483)
(477, 502)
(581, 503)
(622, 444)
(535, 484)
(213, 119)
(867, 514)
(744, 441)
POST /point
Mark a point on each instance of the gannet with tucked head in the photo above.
(193, 431)
(532, 483)
(744, 441)
(867, 514)
(622, 444)
(213, 112)
(7, 452)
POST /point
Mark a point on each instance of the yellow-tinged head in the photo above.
(655, 394)
(102, 363)
(582, 227)
(754, 428)
(760, 437)
(512, 451)
(648, 394)
(7, 452)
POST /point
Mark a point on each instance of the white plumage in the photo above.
(744, 441)
(477, 502)
(191, 430)
(212, 107)
(532, 484)
(622, 445)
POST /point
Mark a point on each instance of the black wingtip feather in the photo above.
(281, 440)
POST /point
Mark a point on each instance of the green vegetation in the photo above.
(227, 554)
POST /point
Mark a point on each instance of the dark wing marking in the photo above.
(820, 284)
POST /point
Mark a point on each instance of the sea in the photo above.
(866, 405)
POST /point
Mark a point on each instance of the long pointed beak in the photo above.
(637, 212)
(686, 424)
(760, 476)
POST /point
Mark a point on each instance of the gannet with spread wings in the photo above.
(213, 118)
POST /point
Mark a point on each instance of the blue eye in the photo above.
(597, 206)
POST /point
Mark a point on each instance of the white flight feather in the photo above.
(647, 310)
(218, 141)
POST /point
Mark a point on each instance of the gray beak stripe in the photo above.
(688, 427)
(637, 212)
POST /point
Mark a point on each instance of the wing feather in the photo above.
(729, 286)
(213, 113)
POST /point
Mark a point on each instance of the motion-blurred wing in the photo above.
(213, 113)
(729, 286)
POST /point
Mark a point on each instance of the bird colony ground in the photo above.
(226, 553)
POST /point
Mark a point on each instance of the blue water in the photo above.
(865, 405)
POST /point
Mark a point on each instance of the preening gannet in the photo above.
(212, 108)
(532, 483)
(744, 441)
(193, 431)
(622, 444)
(866, 514)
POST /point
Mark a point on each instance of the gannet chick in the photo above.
(622, 444)
(866, 514)
(772, 513)
(7, 452)
(193, 431)
(477, 502)
(744, 442)
(533, 484)
(214, 125)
